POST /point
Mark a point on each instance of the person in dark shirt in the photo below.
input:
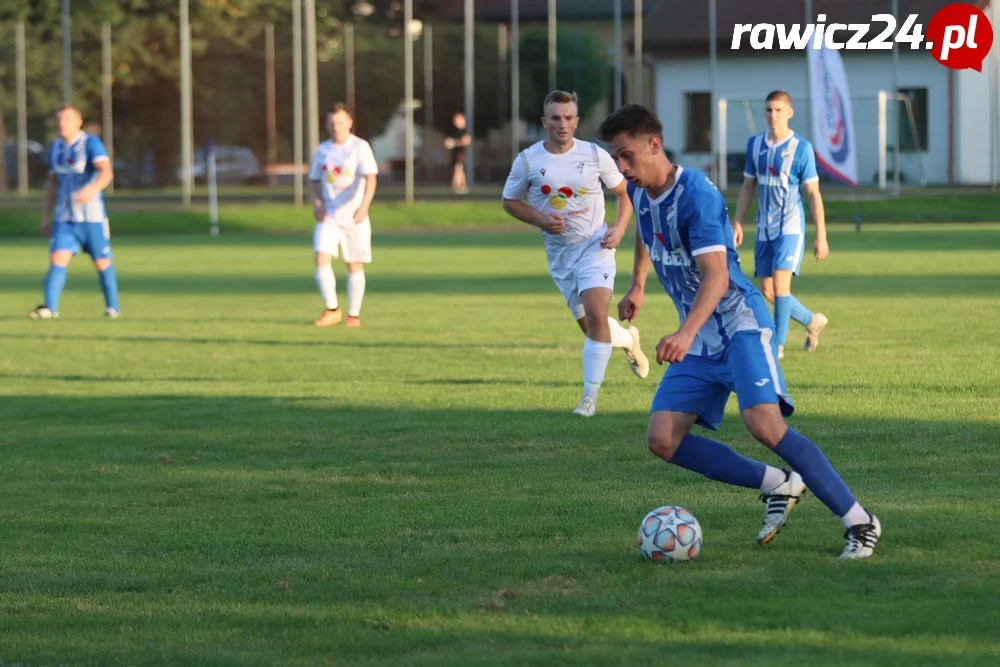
(456, 143)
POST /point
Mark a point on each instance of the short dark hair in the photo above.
(560, 97)
(340, 106)
(779, 95)
(633, 119)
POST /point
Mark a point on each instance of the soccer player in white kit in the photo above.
(561, 178)
(342, 185)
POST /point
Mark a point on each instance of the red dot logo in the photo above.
(959, 36)
(546, 189)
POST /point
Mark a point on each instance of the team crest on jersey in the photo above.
(580, 166)
(563, 194)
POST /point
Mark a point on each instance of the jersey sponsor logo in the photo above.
(333, 172)
(666, 257)
(560, 196)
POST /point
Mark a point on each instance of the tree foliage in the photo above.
(228, 67)
(582, 67)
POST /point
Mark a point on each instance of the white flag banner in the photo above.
(832, 120)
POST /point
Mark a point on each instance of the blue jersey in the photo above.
(75, 166)
(780, 169)
(688, 220)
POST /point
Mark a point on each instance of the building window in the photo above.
(697, 122)
(913, 131)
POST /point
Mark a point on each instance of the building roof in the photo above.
(499, 11)
(680, 27)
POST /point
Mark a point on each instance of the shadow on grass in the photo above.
(325, 343)
(380, 282)
(290, 525)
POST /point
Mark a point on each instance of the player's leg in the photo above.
(357, 249)
(813, 322)
(63, 244)
(596, 345)
(326, 245)
(690, 393)
(787, 263)
(764, 403)
(98, 246)
(596, 268)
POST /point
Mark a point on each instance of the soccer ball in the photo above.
(669, 533)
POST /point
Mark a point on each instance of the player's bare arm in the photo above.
(552, 224)
(747, 193)
(820, 248)
(630, 304)
(105, 175)
(714, 282)
(362, 213)
(48, 202)
(316, 193)
(623, 213)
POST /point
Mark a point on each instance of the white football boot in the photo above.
(637, 360)
(42, 313)
(779, 501)
(586, 408)
(813, 330)
(860, 539)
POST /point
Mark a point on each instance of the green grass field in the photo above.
(135, 214)
(212, 480)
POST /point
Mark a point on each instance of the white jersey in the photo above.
(341, 168)
(567, 184)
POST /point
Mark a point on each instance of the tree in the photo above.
(581, 66)
(490, 101)
(227, 64)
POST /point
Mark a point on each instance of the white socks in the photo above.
(327, 284)
(355, 293)
(620, 336)
(857, 514)
(595, 361)
(773, 478)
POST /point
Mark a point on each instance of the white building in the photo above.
(951, 111)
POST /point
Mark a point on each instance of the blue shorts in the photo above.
(93, 237)
(784, 252)
(701, 385)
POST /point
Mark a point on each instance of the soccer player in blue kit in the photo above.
(778, 163)
(725, 341)
(73, 214)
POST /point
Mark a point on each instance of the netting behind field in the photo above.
(745, 117)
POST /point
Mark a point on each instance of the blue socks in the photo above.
(800, 313)
(55, 282)
(716, 461)
(52, 288)
(782, 313)
(109, 285)
(786, 308)
(806, 459)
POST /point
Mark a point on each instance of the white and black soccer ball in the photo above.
(669, 533)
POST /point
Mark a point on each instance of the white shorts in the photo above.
(575, 269)
(354, 240)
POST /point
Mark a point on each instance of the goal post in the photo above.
(879, 161)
